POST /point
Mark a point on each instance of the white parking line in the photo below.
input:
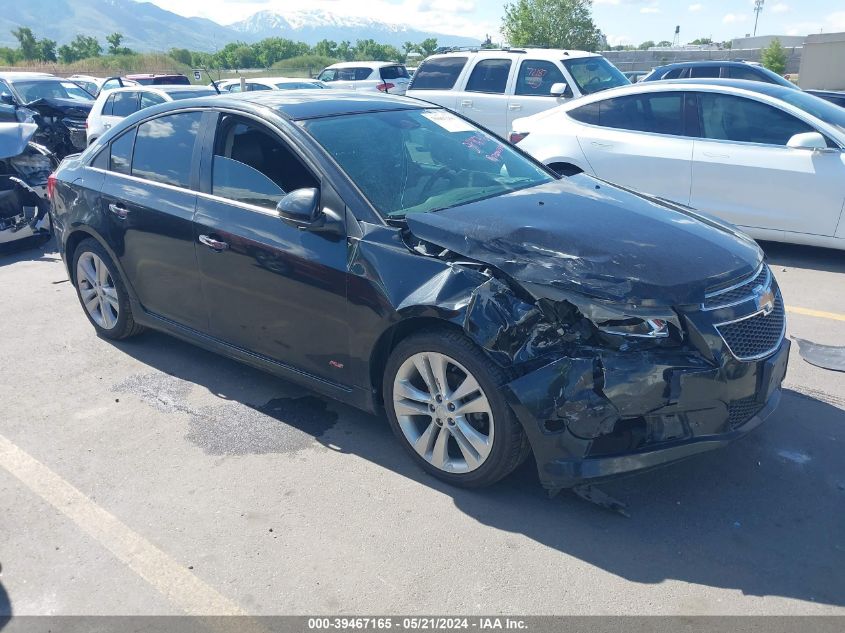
(171, 579)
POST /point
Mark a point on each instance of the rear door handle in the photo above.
(514, 106)
(467, 103)
(716, 155)
(106, 126)
(215, 245)
(119, 210)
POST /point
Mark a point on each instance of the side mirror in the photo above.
(560, 89)
(300, 207)
(808, 140)
(7, 99)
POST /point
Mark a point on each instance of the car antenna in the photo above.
(208, 74)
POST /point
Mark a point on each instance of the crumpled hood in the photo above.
(64, 107)
(14, 138)
(582, 235)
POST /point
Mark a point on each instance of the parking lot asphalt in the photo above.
(152, 477)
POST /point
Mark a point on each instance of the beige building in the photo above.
(823, 62)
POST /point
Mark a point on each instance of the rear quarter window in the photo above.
(394, 72)
(438, 74)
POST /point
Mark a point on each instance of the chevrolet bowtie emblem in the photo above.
(765, 299)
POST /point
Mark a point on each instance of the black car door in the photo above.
(148, 198)
(271, 288)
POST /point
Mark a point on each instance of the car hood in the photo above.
(64, 107)
(582, 235)
(14, 138)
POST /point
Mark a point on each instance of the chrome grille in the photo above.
(756, 336)
(739, 292)
(741, 411)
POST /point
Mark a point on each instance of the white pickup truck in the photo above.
(495, 86)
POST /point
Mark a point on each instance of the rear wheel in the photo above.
(101, 292)
(444, 403)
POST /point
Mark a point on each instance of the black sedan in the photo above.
(391, 254)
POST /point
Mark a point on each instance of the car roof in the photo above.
(12, 75)
(542, 53)
(669, 85)
(363, 64)
(304, 104)
(712, 62)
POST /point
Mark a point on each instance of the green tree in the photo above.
(325, 48)
(774, 57)
(664, 43)
(427, 46)
(27, 43)
(182, 55)
(646, 45)
(8, 55)
(702, 41)
(345, 51)
(553, 23)
(82, 47)
(408, 48)
(115, 48)
(45, 50)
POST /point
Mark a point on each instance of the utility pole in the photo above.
(758, 8)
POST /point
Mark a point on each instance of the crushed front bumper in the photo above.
(602, 416)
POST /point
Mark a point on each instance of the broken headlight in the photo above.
(637, 328)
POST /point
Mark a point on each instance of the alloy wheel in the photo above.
(443, 412)
(96, 287)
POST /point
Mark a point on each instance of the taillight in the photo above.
(385, 87)
(516, 137)
(51, 185)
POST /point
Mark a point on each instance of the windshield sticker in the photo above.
(448, 121)
(476, 144)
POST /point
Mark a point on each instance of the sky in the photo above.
(623, 21)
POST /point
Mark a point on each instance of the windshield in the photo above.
(594, 74)
(34, 90)
(416, 161)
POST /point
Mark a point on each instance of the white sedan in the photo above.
(764, 157)
(270, 83)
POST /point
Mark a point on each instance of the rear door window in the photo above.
(150, 99)
(704, 72)
(125, 103)
(490, 76)
(439, 73)
(658, 113)
(164, 148)
(536, 77)
(253, 166)
(748, 73)
(121, 152)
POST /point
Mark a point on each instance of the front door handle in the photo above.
(106, 126)
(601, 145)
(716, 155)
(215, 245)
(119, 210)
(467, 103)
(514, 106)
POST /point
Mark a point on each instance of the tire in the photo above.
(110, 312)
(419, 419)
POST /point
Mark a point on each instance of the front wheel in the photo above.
(444, 402)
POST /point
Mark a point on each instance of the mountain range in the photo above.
(147, 27)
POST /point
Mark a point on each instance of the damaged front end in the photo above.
(612, 373)
(61, 124)
(24, 169)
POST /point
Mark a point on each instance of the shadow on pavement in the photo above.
(809, 257)
(763, 516)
